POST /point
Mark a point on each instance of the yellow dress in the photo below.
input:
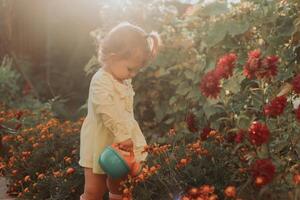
(110, 119)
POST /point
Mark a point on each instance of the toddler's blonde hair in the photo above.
(124, 38)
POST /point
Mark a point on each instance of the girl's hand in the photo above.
(126, 145)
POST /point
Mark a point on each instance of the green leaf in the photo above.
(183, 88)
(233, 84)
(161, 140)
(211, 64)
(243, 121)
(210, 109)
(215, 8)
(286, 26)
(238, 27)
(169, 121)
(189, 74)
(216, 33)
(172, 100)
(159, 113)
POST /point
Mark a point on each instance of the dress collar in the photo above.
(125, 89)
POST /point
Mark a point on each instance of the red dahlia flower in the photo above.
(253, 64)
(264, 170)
(275, 107)
(225, 66)
(210, 85)
(268, 68)
(258, 133)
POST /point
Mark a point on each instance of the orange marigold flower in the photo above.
(35, 145)
(6, 138)
(296, 179)
(193, 191)
(26, 189)
(230, 191)
(14, 172)
(67, 159)
(27, 178)
(41, 176)
(2, 119)
(70, 170)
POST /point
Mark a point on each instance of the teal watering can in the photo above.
(118, 163)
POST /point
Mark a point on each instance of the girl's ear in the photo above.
(114, 57)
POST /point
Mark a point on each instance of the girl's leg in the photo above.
(114, 188)
(94, 186)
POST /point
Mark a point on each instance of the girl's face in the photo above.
(123, 69)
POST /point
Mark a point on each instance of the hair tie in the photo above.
(150, 41)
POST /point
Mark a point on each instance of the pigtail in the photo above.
(154, 42)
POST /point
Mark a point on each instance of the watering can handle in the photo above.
(131, 153)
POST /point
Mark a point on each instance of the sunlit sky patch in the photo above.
(206, 1)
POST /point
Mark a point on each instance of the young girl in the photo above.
(110, 119)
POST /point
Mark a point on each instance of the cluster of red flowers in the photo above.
(260, 67)
(258, 133)
(262, 171)
(210, 84)
(275, 107)
(237, 136)
(204, 192)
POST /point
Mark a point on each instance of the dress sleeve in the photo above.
(104, 102)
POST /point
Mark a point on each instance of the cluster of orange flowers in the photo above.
(183, 162)
(216, 135)
(156, 149)
(197, 148)
(204, 192)
(128, 186)
(15, 133)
